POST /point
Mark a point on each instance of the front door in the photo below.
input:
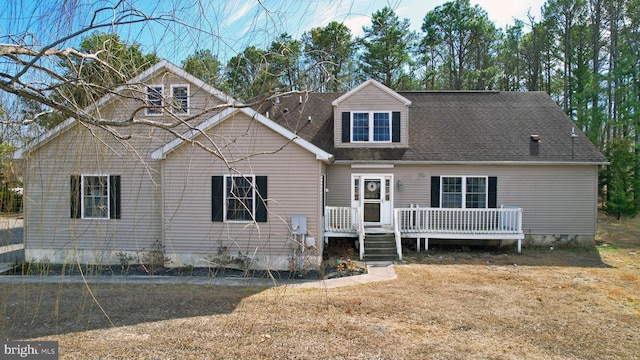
(373, 195)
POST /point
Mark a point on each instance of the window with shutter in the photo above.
(239, 198)
(95, 197)
(468, 192)
(371, 127)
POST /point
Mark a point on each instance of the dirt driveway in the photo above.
(543, 304)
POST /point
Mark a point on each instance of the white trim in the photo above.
(172, 97)
(162, 152)
(377, 84)
(225, 199)
(108, 202)
(371, 127)
(372, 166)
(418, 162)
(464, 190)
(385, 218)
(198, 83)
(162, 64)
(154, 111)
(20, 153)
(320, 154)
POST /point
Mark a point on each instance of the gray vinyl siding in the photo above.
(81, 150)
(293, 177)
(371, 98)
(47, 173)
(556, 199)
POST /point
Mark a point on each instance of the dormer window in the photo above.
(154, 100)
(371, 127)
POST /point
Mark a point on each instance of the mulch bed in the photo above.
(334, 270)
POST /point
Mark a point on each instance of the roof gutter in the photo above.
(417, 162)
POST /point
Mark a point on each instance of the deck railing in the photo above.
(345, 221)
(504, 220)
(341, 219)
(420, 222)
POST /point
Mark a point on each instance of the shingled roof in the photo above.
(451, 127)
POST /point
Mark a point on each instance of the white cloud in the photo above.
(248, 22)
(356, 23)
(504, 12)
(238, 14)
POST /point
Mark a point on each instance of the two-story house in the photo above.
(275, 182)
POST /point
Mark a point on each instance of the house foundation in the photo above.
(173, 260)
(559, 240)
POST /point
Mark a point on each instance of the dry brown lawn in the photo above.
(543, 304)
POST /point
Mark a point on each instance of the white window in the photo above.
(463, 192)
(95, 196)
(371, 127)
(154, 99)
(180, 99)
(239, 198)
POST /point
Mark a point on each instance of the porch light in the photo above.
(400, 184)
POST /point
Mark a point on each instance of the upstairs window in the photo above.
(180, 99)
(360, 127)
(370, 127)
(381, 127)
(154, 99)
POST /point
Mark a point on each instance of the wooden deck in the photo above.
(504, 223)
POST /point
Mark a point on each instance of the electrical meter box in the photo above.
(299, 224)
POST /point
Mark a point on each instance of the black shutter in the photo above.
(346, 127)
(435, 191)
(76, 211)
(217, 198)
(395, 126)
(114, 200)
(261, 198)
(493, 192)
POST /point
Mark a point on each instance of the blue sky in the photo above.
(231, 25)
(242, 21)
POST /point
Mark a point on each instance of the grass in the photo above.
(445, 304)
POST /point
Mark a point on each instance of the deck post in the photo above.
(361, 234)
(396, 232)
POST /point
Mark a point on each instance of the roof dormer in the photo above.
(371, 115)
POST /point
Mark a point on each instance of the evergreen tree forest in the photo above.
(584, 53)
